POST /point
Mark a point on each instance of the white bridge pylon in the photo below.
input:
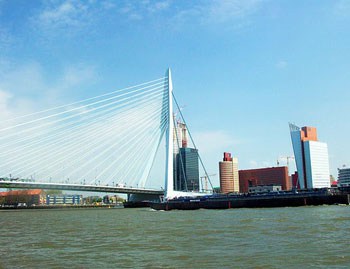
(169, 174)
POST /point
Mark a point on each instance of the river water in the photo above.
(303, 237)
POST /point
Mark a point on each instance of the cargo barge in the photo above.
(284, 199)
(136, 204)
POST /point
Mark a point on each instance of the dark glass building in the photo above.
(186, 172)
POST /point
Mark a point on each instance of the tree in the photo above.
(53, 192)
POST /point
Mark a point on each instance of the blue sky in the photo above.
(242, 69)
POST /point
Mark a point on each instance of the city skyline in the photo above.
(241, 69)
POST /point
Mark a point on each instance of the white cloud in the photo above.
(135, 16)
(342, 8)
(25, 89)
(138, 10)
(5, 64)
(66, 13)
(211, 145)
(227, 10)
(72, 16)
(22, 82)
(5, 39)
(108, 5)
(211, 142)
(253, 164)
(5, 112)
(235, 12)
(267, 164)
(69, 15)
(199, 12)
(1, 3)
(282, 64)
(158, 6)
(184, 16)
(263, 163)
(78, 74)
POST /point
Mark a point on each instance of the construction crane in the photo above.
(287, 158)
(205, 189)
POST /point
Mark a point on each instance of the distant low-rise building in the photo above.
(92, 200)
(265, 188)
(264, 176)
(64, 199)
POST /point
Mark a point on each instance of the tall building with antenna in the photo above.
(311, 157)
(186, 165)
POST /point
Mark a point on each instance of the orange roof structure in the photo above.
(21, 192)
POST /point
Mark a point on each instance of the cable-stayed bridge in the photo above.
(108, 143)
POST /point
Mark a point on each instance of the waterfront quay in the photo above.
(34, 207)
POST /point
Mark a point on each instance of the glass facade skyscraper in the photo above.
(186, 166)
(311, 157)
(186, 174)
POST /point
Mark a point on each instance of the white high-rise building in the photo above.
(311, 157)
(316, 164)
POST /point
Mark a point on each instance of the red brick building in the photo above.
(29, 197)
(295, 182)
(264, 176)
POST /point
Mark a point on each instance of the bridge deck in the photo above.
(77, 187)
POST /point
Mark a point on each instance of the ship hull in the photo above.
(227, 202)
(136, 204)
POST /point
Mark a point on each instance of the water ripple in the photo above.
(304, 237)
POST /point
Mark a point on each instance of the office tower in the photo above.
(311, 157)
(186, 166)
(187, 170)
(344, 177)
(263, 177)
(180, 141)
(229, 179)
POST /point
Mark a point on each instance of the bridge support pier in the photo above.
(141, 200)
(143, 197)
